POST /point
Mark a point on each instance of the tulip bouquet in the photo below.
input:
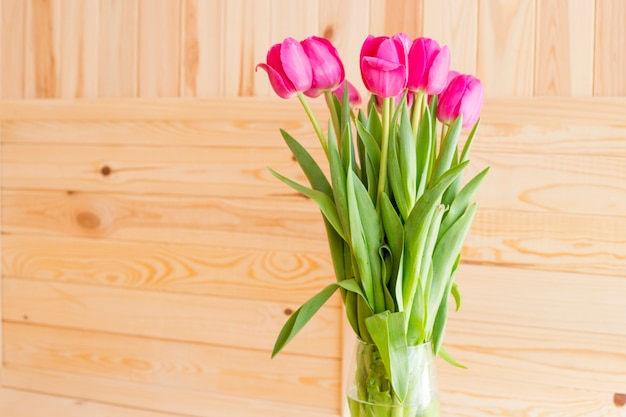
(395, 207)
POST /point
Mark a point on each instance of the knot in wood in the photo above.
(88, 220)
(619, 399)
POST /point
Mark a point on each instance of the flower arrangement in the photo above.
(395, 207)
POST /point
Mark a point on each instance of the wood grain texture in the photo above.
(202, 50)
(564, 48)
(216, 270)
(12, 47)
(246, 40)
(610, 43)
(388, 17)
(159, 48)
(212, 320)
(454, 23)
(223, 370)
(78, 44)
(506, 33)
(170, 399)
(117, 48)
(18, 403)
(42, 49)
(347, 34)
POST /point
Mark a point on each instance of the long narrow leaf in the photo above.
(326, 205)
(387, 331)
(462, 200)
(309, 166)
(302, 315)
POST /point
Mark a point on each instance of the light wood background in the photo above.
(149, 259)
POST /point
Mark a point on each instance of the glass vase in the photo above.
(370, 392)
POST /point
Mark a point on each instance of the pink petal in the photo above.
(296, 64)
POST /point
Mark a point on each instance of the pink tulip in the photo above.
(383, 65)
(328, 72)
(464, 96)
(288, 68)
(428, 66)
(353, 94)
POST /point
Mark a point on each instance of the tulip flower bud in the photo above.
(288, 68)
(428, 66)
(383, 65)
(463, 96)
(353, 94)
(328, 72)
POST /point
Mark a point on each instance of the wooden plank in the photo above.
(166, 398)
(192, 171)
(17, 403)
(268, 275)
(118, 48)
(541, 111)
(247, 223)
(202, 48)
(223, 370)
(534, 240)
(609, 56)
(296, 19)
(388, 17)
(573, 303)
(246, 40)
(159, 48)
(487, 397)
(78, 44)
(12, 41)
(564, 63)
(346, 34)
(557, 358)
(454, 23)
(517, 181)
(506, 34)
(42, 54)
(215, 320)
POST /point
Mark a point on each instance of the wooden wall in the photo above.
(149, 259)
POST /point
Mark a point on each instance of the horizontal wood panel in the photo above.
(17, 403)
(517, 181)
(166, 399)
(465, 395)
(551, 241)
(177, 365)
(584, 304)
(585, 126)
(149, 170)
(243, 223)
(560, 358)
(214, 320)
(253, 274)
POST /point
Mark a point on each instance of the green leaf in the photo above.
(392, 226)
(366, 239)
(417, 226)
(394, 176)
(310, 168)
(457, 296)
(425, 142)
(302, 315)
(374, 124)
(446, 357)
(468, 142)
(439, 324)
(338, 178)
(388, 332)
(326, 205)
(445, 258)
(462, 200)
(449, 147)
(407, 157)
(371, 146)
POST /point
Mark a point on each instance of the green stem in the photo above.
(445, 129)
(330, 102)
(418, 109)
(313, 119)
(382, 173)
